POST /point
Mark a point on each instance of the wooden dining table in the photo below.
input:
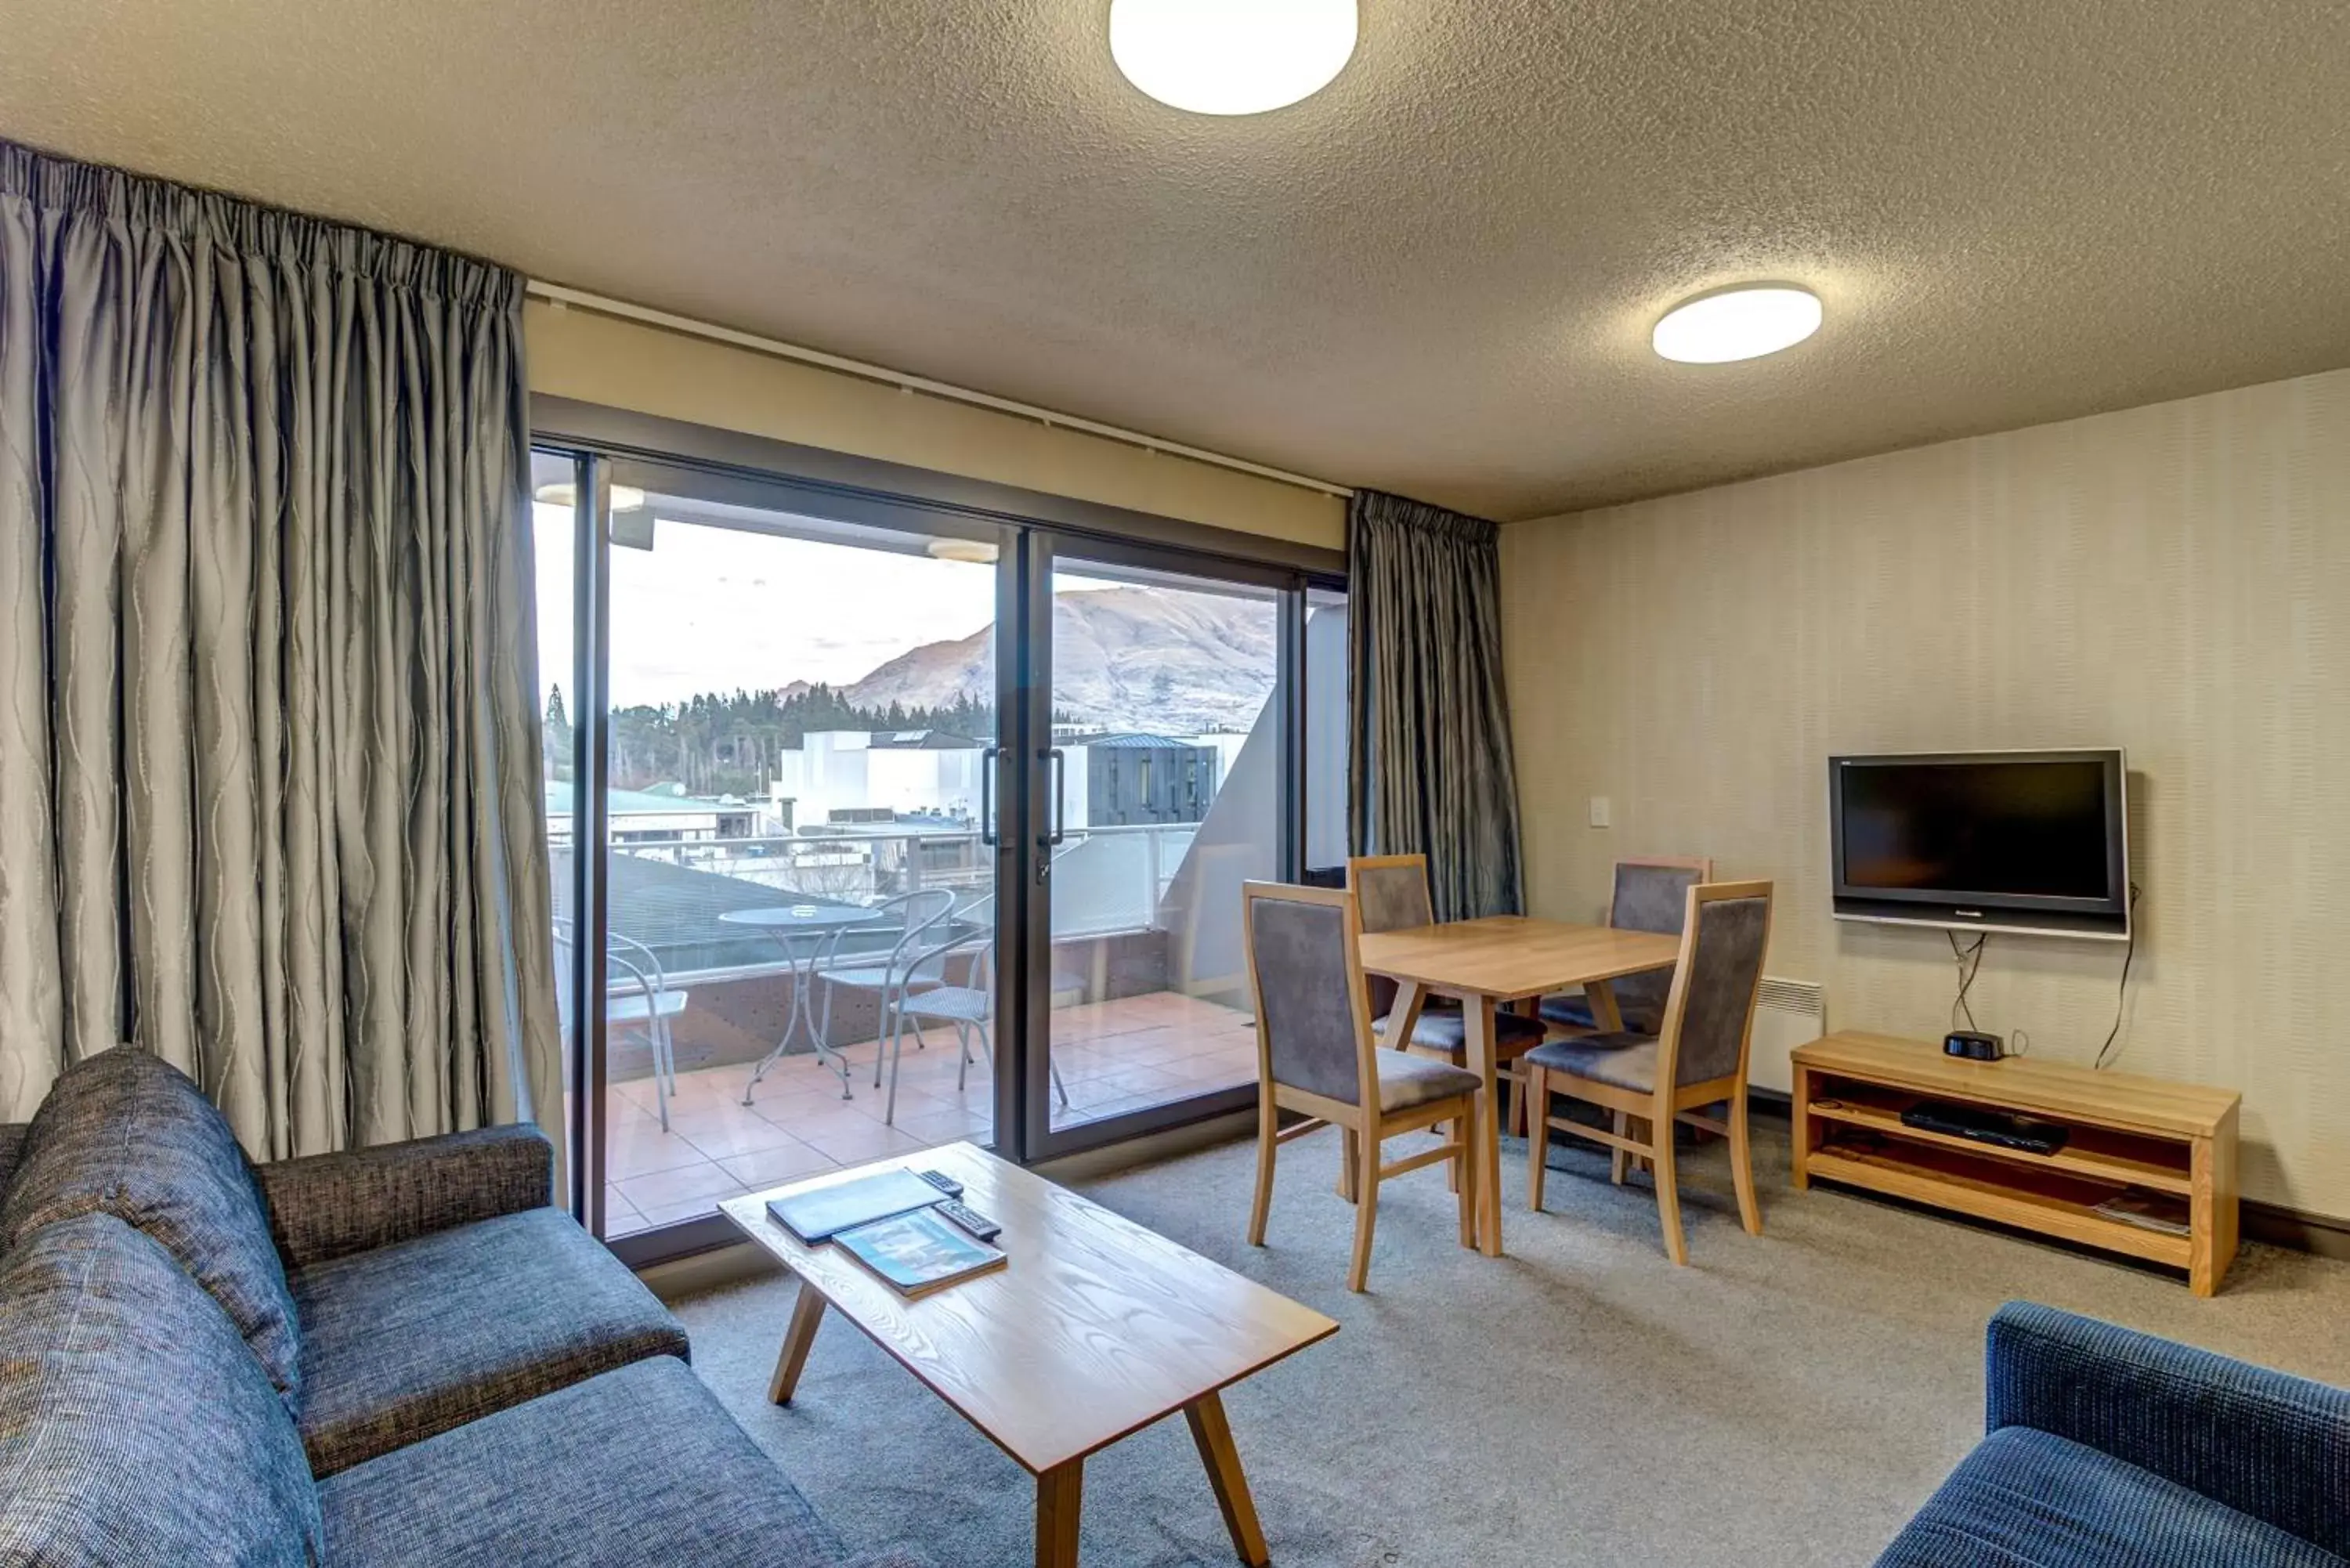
(1492, 963)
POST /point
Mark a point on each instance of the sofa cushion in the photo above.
(135, 1426)
(12, 1150)
(408, 1341)
(130, 1134)
(640, 1466)
(2026, 1499)
(328, 1206)
(2261, 1441)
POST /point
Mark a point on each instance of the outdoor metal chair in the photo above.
(636, 996)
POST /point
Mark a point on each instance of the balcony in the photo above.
(1147, 1003)
(1114, 1056)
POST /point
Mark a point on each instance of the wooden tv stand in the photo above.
(2177, 1140)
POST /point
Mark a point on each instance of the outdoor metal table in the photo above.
(804, 931)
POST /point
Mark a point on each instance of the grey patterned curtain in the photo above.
(1429, 763)
(269, 792)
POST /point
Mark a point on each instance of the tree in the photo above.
(726, 742)
(557, 732)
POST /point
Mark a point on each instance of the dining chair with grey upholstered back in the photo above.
(1315, 1056)
(1392, 891)
(1696, 1059)
(1392, 894)
(1649, 895)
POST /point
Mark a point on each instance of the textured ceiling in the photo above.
(1436, 277)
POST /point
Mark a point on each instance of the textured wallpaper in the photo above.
(2172, 580)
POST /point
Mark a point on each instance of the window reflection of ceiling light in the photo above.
(1742, 323)
(1231, 56)
(563, 493)
(977, 551)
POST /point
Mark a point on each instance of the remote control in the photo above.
(970, 1219)
(942, 1181)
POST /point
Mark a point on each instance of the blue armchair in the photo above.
(2104, 1445)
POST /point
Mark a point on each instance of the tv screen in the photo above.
(1982, 838)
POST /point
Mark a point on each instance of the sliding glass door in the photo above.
(793, 894)
(878, 824)
(1165, 787)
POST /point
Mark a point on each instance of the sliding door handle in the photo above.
(1058, 761)
(987, 833)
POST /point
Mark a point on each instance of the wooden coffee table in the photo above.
(1097, 1329)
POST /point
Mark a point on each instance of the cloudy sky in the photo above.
(712, 609)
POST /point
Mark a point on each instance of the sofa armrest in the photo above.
(330, 1205)
(2264, 1443)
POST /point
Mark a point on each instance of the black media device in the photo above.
(1986, 1126)
(1972, 1045)
(1985, 841)
(969, 1219)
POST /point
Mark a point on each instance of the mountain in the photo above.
(1129, 658)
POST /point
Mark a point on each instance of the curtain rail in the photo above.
(561, 297)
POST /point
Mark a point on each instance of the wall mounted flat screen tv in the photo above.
(2017, 841)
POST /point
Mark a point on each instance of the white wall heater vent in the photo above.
(1787, 1014)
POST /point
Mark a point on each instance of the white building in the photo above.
(850, 776)
(664, 815)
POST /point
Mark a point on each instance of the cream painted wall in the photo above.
(2172, 580)
(623, 364)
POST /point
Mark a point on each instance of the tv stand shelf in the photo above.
(2126, 1133)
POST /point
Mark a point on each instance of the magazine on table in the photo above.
(919, 1252)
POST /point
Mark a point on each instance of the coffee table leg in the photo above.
(1214, 1436)
(1060, 1498)
(807, 1314)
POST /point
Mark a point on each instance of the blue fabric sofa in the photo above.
(2108, 1446)
(400, 1355)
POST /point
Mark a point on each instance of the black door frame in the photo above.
(1047, 548)
(1031, 530)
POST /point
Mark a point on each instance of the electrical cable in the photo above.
(1967, 972)
(2121, 992)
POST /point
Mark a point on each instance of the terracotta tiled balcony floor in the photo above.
(1114, 1056)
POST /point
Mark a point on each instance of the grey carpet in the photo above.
(1787, 1399)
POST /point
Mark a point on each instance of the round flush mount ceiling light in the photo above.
(1231, 56)
(1742, 323)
